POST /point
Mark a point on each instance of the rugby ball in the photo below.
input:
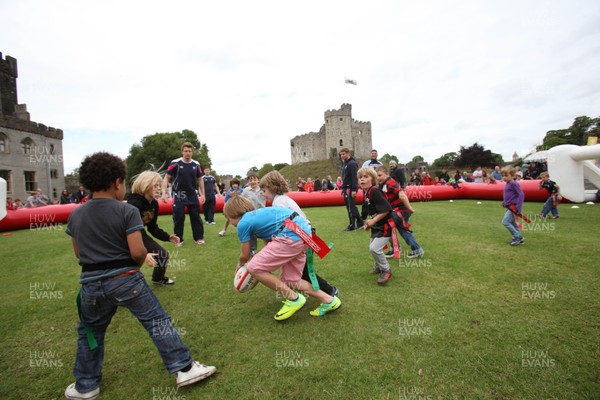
(243, 281)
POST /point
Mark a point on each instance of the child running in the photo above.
(107, 240)
(275, 188)
(551, 205)
(512, 201)
(401, 211)
(379, 209)
(284, 250)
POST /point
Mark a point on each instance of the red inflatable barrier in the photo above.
(36, 218)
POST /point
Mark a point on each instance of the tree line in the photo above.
(157, 150)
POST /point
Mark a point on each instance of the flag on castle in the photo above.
(350, 81)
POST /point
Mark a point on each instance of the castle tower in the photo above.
(8, 85)
(338, 131)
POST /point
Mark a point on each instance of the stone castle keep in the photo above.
(31, 154)
(338, 131)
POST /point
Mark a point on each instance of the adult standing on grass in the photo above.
(187, 179)
(211, 190)
(349, 189)
(107, 241)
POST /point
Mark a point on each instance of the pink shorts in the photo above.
(281, 253)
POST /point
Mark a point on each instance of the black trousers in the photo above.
(326, 287)
(209, 209)
(162, 257)
(196, 221)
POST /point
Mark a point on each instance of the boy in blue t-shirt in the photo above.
(107, 240)
(284, 249)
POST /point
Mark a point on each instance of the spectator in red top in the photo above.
(426, 179)
(10, 204)
(309, 186)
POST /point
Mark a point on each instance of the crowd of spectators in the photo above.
(39, 199)
(420, 177)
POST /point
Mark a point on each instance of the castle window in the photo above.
(26, 145)
(51, 148)
(341, 142)
(5, 174)
(341, 119)
(3, 143)
(30, 183)
(54, 173)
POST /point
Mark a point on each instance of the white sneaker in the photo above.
(222, 233)
(195, 374)
(72, 393)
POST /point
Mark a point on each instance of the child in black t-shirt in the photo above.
(107, 240)
(378, 208)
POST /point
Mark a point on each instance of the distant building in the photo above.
(339, 130)
(31, 154)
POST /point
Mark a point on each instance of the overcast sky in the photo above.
(248, 76)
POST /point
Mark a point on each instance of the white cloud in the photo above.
(249, 76)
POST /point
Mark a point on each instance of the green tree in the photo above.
(280, 166)
(156, 151)
(253, 169)
(447, 160)
(576, 134)
(386, 158)
(412, 164)
(265, 169)
(476, 155)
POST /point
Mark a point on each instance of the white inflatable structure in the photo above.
(568, 165)
(2, 198)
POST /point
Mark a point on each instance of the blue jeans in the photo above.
(195, 220)
(509, 222)
(99, 302)
(408, 237)
(548, 208)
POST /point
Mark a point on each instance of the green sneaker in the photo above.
(325, 308)
(290, 307)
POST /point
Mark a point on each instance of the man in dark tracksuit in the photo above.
(349, 189)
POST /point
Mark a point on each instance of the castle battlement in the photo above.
(31, 127)
(344, 111)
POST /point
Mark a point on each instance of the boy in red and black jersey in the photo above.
(402, 210)
(379, 210)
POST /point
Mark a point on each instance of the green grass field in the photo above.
(473, 319)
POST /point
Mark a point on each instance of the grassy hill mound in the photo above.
(311, 169)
